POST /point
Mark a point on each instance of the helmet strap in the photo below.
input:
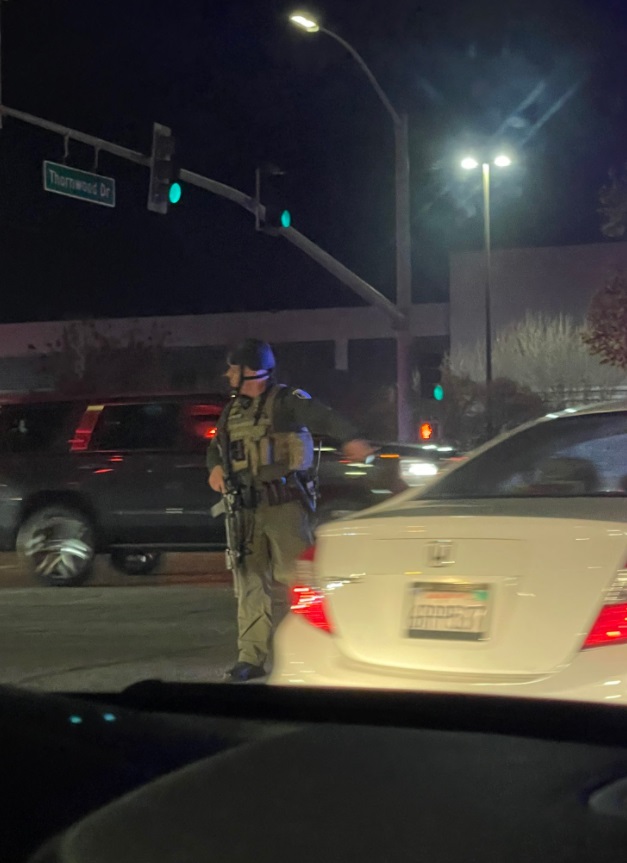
(262, 376)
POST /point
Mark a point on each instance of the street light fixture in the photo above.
(403, 230)
(469, 163)
(305, 23)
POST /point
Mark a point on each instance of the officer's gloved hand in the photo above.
(216, 479)
(357, 450)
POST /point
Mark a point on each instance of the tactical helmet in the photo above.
(252, 353)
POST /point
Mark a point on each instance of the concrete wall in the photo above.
(338, 325)
(552, 280)
(364, 393)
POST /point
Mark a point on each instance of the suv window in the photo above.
(32, 428)
(200, 424)
(136, 426)
(571, 456)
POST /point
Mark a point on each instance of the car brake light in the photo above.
(85, 429)
(309, 603)
(306, 599)
(610, 627)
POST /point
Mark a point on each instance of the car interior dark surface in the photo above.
(186, 772)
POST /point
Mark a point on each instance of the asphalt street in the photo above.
(118, 629)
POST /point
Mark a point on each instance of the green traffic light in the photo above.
(438, 392)
(286, 219)
(175, 193)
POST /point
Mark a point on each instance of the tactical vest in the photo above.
(255, 446)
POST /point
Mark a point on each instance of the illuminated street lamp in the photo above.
(469, 163)
(305, 23)
(403, 229)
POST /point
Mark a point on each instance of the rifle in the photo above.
(231, 507)
(232, 503)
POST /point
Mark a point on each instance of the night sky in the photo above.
(239, 86)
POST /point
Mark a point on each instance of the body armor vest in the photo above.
(256, 447)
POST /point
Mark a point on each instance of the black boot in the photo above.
(244, 671)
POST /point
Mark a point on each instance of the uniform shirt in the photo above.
(294, 410)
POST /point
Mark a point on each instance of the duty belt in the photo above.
(278, 491)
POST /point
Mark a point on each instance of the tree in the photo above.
(606, 323)
(613, 205)
(89, 359)
(549, 356)
(463, 410)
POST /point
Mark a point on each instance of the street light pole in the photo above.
(469, 163)
(403, 281)
(403, 235)
(488, 296)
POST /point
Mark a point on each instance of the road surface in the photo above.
(118, 629)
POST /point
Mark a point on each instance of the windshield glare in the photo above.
(574, 456)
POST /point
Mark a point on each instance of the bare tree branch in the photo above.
(548, 355)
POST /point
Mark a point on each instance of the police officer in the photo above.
(265, 450)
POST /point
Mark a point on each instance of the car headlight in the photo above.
(415, 472)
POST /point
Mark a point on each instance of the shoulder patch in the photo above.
(301, 394)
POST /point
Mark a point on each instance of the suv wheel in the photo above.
(135, 562)
(58, 545)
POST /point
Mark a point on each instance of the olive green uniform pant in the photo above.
(276, 537)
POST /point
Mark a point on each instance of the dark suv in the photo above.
(127, 476)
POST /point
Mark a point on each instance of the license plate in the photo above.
(455, 612)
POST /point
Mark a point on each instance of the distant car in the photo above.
(127, 476)
(507, 574)
(349, 487)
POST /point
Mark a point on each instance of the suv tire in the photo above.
(136, 562)
(58, 545)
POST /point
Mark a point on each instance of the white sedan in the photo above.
(505, 575)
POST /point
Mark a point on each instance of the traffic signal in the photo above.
(164, 188)
(430, 368)
(428, 431)
(271, 210)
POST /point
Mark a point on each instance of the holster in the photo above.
(278, 491)
(287, 489)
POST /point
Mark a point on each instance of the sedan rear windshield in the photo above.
(575, 456)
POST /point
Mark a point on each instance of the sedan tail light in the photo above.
(610, 627)
(306, 599)
(309, 603)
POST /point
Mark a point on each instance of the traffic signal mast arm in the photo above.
(358, 285)
(74, 135)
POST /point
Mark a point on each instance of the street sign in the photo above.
(83, 185)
